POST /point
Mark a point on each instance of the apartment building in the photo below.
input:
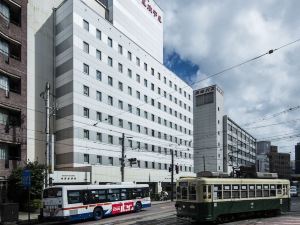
(13, 80)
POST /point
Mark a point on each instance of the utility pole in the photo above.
(204, 162)
(172, 175)
(48, 156)
(123, 157)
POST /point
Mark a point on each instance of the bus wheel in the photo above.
(138, 207)
(98, 214)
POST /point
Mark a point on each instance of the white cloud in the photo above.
(218, 34)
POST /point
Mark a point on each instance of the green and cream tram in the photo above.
(217, 199)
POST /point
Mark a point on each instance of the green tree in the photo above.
(16, 191)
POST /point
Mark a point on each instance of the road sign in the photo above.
(26, 178)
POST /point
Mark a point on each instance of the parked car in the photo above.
(293, 191)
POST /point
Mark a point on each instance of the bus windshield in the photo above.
(52, 193)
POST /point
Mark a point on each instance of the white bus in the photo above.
(78, 202)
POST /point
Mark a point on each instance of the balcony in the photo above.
(10, 157)
(10, 29)
(10, 125)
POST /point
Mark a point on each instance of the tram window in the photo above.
(184, 193)
(217, 191)
(258, 191)
(272, 190)
(244, 192)
(204, 192)
(266, 191)
(192, 192)
(251, 191)
(209, 192)
(279, 189)
(226, 191)
(235, 191)
(178, 191)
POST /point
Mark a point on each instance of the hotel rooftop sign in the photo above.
(150, 8)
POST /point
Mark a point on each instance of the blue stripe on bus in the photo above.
(82, 216)
(146, 205)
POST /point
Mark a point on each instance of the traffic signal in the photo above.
(177, 169)
(170, 169)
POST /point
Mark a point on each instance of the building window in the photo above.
(152, 71)
(99, 159)
(138, 61)
(146, 114)
(86, 69)
(165, 80)
(130, 143)
(120, 85)
(110, 139)
(86, 158)
(152, 102)
(120, 104)
(121, 123)
(138, 78)
(145, 66)
(130, 125)
(146, 164)
(138, 127)
(99, 116)
(98, 34)
(110, 160)
(98, 75)
(158, 91)
(86, 90)
(159, 76)
(138, 94)
(129, 108)
(110, 81)
(99, 137)
(129, 73)
(98, 54)
(152, 86)
(146, 130)
(120, 68)
(86, 134)
(86, 112)
(129, 90)
(204, 99)
(120, 49)
(86, 47)
(86, 25)
(110, 120)
(109, 42)
(146, 98)
(153, 165)
(145, 83)
(129, 55)
(110, 100)
(110, 61)
(99, 96)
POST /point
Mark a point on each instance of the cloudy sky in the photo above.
(204, 37)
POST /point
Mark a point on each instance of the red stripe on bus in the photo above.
(85, 206)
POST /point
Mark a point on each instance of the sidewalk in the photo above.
(159, 202)
(23, 217)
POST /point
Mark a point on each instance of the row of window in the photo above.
(105, 195)
(139, 164)
(153, 102)
(136, 145)
(240, 134)
(138, 61)
(248, 149)
(138, 112)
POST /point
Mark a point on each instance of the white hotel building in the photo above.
(110, 79)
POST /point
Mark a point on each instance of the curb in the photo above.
(160, 202)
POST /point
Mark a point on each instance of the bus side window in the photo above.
(113, 195)
(137, 193)
(124, 194)
(74, 197)
(226, 191)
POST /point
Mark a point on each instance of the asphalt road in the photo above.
(164, 214)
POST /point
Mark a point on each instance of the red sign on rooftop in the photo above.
(150, 8)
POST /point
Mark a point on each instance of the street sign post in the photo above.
(26, 181)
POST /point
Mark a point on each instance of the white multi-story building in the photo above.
(110, 81)
(220, 145)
